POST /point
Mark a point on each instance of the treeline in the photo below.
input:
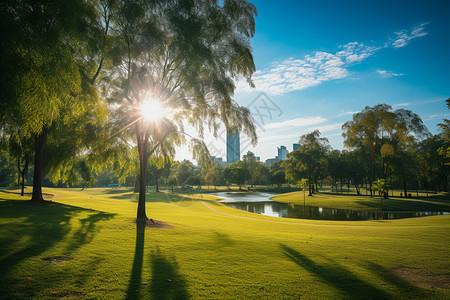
(382, 144)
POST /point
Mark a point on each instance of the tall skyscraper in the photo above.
(233, 146)
(296, 146)
(282, 152)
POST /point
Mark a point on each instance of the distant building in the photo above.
(295, 146)
(257, 158)
(282, 152)
(233, 147)
(218, 160)
(271, 161)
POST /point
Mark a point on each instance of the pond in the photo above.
(260, 203)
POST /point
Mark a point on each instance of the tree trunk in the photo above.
(156, 185)
(357, 189)
(39, 144)
(404, 185)
(143, 161)
(24, 172)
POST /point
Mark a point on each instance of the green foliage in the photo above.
(236, 173)
(184, 171)
(251, 164)
(445, 135)
(8, 169)
(381, 186)
(213, 175)
(433, 163)
(309, 160)
(380, 132)
(186, 56)
(46, 93)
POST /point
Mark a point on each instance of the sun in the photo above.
(152, 110)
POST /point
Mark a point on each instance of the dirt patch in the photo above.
(56, 259)
(157, 224)
(423, 280)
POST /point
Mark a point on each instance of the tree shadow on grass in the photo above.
(167, 282)
(27, 230)
(125, 196)
(337, 277)
(223, 239)
(87, 230)
(134, 284)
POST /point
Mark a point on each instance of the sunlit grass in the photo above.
(206, 254)
(363, 202)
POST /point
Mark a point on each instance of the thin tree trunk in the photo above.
(357, 189)
(24, 172)
(404, 185)
(143, 160)
(39, 144)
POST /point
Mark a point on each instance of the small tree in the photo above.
(251, 164)
(382, 187)
(303, 183)
(236, 173)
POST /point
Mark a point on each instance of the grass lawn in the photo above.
(84, 245)
(439, 202)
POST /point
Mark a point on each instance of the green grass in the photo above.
(207, 255)
(440, 202)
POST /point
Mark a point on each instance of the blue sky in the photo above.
(320, 61)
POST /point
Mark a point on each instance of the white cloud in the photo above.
(295, 74)
(401, 104)
(356, 52)
(388, 74)
(299, 122)
(403, 37)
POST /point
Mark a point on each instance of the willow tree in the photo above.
(176, 64)
(43, 86)
(381, 133)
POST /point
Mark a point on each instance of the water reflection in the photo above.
(261, 204)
